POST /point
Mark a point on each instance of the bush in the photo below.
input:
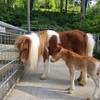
(51, 20)
(97, 54)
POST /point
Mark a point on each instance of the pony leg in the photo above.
(83, 80)
(89, 52)
(80, 77)
(72, 79)
(97, 85)
(46, 62)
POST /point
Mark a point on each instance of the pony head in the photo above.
(53, 45)
(56, 54)
(23, 45)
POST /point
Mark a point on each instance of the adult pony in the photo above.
(32, 46)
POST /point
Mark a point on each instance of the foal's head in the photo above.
(23, 44)
(57, 54)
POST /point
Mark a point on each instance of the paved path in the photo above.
(32, 88)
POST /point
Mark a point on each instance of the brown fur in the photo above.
(74, 40)
(43, 41)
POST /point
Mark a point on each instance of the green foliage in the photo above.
(37, 4)
(97, 54)
(53, 20)
(65, 21)
(19, 3)
(91, 23)
(49, 17)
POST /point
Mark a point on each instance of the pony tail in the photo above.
(33, 53)
(90, 43)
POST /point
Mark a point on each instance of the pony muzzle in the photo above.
(52, 59)
(23, 61)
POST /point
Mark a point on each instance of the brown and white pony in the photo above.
(74, 61)
(32, 46)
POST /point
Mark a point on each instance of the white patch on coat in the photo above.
(51, 33)
(90, 44)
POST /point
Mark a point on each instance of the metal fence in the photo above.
(10, 68)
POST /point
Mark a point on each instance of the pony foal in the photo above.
(88, 65)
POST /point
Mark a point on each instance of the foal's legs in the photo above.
(46, 61)
(72, 79)
(83, 81)
(97, 85)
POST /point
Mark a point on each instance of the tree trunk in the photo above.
(61, 5)
(66, 6)
(83, 8)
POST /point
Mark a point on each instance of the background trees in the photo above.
(53, 14)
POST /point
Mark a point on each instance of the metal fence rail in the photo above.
(10, 28)
(10, 68)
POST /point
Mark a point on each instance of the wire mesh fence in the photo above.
(10, 68)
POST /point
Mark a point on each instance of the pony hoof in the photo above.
(82, 83)
(68, 89)
(79, 79)
(43, 78)
(69, 92)
(88, 99)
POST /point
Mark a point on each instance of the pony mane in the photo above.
(33, 52)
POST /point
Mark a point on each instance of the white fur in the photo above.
(90, 44)
(33, 53)
(51, 33)
(45, 72)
